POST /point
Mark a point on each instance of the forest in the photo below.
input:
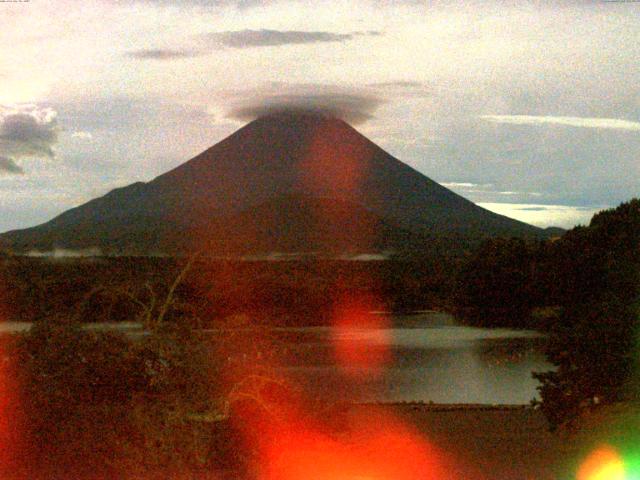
(276, 292)
(583, 290)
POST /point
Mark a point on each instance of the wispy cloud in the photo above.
(274, 38)
(404, 88)
(460, 185)
(398, 84)
(82, 135)
(164, 53)
(580, 122)
(242, 39)
(528, 194)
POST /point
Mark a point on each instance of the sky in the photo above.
(528, 108)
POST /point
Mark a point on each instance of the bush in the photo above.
(593, 350)
(100, 405)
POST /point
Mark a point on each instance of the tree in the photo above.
(592, 349)
(495, 285)
(593, 344)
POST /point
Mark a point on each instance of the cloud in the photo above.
(487, 192)
(9, 166)
(240, 4)
(163, 53)
(404, 88)
(83, 135)
(241, 39)
(565, 216)
(273, 38)
(580, 122)
(350, 106)
(26, 132)
(398, 84)
(460, 185)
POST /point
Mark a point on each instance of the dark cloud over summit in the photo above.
(351, 107)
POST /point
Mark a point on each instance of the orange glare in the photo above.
(390, 453)
(360, 338)
(602, 464)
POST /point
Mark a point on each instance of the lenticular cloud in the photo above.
(351, 106)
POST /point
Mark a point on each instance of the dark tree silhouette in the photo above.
(495, 286)
(594, 344)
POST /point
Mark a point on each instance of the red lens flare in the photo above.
(10, 421)
(333, 164)
(333, 170)
(385, 450)
(360, 338)
(285, 432)
(292, 440)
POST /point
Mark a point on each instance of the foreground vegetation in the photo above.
(90, 404)
(99, 405)
(584, 291)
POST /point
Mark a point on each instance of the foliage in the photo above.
(138, 288)
(592, 350)
(496, 285)
(99, 405)
(594, 344)
(583, 289)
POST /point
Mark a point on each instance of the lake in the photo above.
(430, 358)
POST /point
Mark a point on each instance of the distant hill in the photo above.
(554, 232)
(297, 182)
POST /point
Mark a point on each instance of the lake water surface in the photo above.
(431, 358)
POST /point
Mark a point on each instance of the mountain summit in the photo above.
(286, 182)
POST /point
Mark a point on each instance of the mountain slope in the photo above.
(282, 182)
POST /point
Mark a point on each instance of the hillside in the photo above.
(292, 182)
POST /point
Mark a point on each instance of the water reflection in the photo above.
(433, 359)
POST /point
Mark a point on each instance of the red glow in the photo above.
(9, 421)
(333, 166)
(289, 434)
(293, 441)
(6, 393)
(360, 337)
(375, 448)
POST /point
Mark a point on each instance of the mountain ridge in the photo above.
(274, 157)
